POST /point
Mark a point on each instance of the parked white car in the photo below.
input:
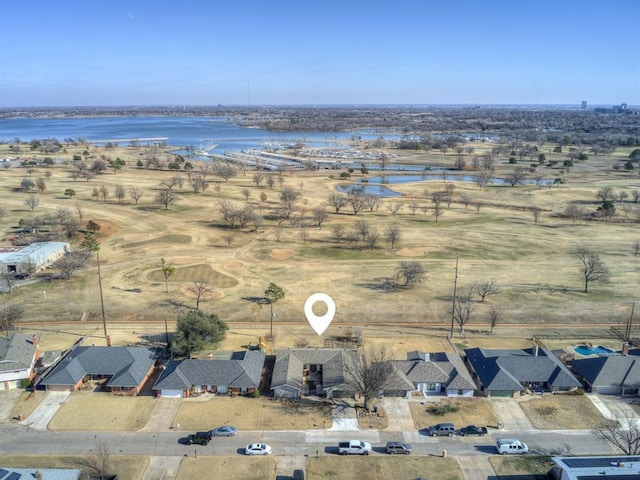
(257, 449)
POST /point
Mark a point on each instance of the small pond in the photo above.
(372, 185)
(597, 350)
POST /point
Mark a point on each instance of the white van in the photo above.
(511, 445)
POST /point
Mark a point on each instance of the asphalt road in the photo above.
(21, 440)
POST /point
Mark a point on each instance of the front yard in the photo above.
(551, 412)
(252, 413)
(229, 468)
(462, 411)
(528, 467)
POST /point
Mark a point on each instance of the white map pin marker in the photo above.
(319, 323)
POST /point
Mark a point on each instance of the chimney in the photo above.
(38, 475)
(34, 340)
(426, 357)
(625, 348)
(108, 340)
(536, 350)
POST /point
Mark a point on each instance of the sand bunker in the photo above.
(282, 253)
(413, 252)
(233, 266)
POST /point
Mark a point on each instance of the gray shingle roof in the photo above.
(509, 369)
(16, 352)
(441, 367)
(335, 366)
(609, 371)
(240, 370)
(127, 366)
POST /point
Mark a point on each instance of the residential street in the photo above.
(165, 448)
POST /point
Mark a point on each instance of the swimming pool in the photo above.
(597, 350)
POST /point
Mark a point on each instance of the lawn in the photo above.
(116, 413)
(468, 411)
(529, 467)
(127, 467)
(561, 412)
(330, 467)
(229, 468)
(27, 403)
(252, 414)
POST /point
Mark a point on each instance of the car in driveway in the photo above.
(257, 449)
(224, 431)
(398, 448)
(442, 430)
(199, 438)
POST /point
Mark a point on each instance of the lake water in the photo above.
(200, 132)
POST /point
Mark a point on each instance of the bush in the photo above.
(442, 409)
(254, 394)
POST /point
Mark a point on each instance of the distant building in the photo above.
(584, 105)
(32, 258)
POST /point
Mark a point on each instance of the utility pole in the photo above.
(104, 319)
(453, 306)
(627, 333)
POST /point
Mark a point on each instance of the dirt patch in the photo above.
(551, 412)
(234, 266)
(413, 252)
(282, 253)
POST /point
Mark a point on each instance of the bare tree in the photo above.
(575, 213)
(201, 290)
(339, 232)
(41, 185)
(319, 215)
(228, 239)
(357, 201)
(9, 312)
(394, 207)
(593, 269)
(165, 198)
(516, 177)
(369, 374)
(288, 198)
(167, 271)
(485, 288)
(535, 213)
(135, 193)
(463, 307)
(277, 232)
(337, 201)
(605, 193)
(103, 191)
(392, 235)
(636, 248)
(494, 315)
(100, 461)
(437, 199)
(258, 178)
(412, 273)
(71, 262)
(32, 202)
(626, 439)
(372, 238)
(304, 235)
(362, 228)
(120, 194)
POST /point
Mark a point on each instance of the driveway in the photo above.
(43, 414)
(344, 416)
(614, 407)
(163, 414)
(398, 414)
(511, 415)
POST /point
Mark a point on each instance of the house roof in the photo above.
(127, 366)
(9, 473)
(609, 371)
(231, 369)
(442, 367)
(509, 369)
(335, 362)
(16, 352)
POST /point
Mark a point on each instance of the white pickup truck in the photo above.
(354, 447)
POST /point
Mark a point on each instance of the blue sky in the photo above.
(207, 52)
